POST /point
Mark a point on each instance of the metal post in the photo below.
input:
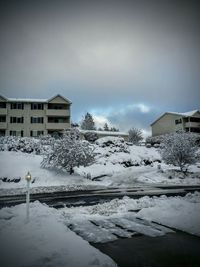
(28, 179)
(27, 200)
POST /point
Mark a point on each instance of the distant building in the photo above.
(171, 122)
(34, 117)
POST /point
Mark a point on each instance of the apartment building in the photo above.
(34, 117)
(171, 122)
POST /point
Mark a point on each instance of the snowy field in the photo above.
(48, 241)
(116, 165)
(61, 237)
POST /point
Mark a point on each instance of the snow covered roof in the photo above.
(105, 132)
(40, 100)
(183, 114)
(27, 100)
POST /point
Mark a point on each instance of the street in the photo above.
(174, 249)
(92, 197)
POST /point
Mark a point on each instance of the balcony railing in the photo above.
(57, 112)
(57, 126)
(3, 125)
(192, 124)
(3, 111)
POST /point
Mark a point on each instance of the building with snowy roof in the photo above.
(34, 117)
(171, 122)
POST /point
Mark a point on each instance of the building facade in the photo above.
(34, 117)
(171, 122)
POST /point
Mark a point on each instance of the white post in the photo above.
(28, 179)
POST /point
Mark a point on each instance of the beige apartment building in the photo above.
(34, 117)
(171, 122)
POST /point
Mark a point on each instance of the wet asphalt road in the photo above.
(92, 197)
(172, 250)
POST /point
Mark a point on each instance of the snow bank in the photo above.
(179, 212)
(44, 241)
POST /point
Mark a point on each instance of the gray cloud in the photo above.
(103, 54)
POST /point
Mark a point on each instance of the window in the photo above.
(2, 105)
(37, 120)
(17, 105)
(40, 133)
(13, 133)
(178, 121)
(2, 118)
(2, 132)
(195, 130)
(37, 106)
(16, 119)
(17, 133)
(58, 106)
(35, 133)
(58, 119)
(195, 119)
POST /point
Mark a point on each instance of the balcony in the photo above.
(57, 112)
(3, 111)
(3, 125)
(57, 126)
(192, 124)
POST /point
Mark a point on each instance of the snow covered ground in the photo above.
(117, 164)
(44, 241)
(48, 241)
(17, 164)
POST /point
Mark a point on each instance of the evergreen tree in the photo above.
(113, 129)
(88, 122)
(135, 135)
(105, 127)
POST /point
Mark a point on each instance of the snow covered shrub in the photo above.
(179, 149)
(135, 135)
(69, 152)
(148, 145)
(156, 140)
(115, 144)
(156, 145)
(46, 140)
(91, 136)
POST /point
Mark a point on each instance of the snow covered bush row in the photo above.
(23, 144)
(26, 144)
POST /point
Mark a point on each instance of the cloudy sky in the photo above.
(126, 62)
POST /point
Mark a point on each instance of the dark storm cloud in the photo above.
(103, 55)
